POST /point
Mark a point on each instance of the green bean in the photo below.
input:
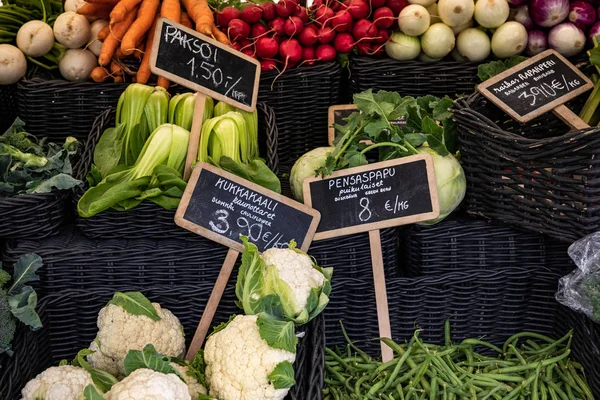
(434, 388)
(476, 342)
(400, 363)
(358, 384)
(502, 377)
(543, 391)
(534, 392)
(545, 363)
(519, 388)
(491, 392)
(555, 344)
(376, 387)
(365, 356)
(525, 334)
(558, 390)
(447, 336)
(585, 389)
(516, 353)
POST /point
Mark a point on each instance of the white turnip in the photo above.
(402, 47)
(456, 12)
(458, 29)
(13, 64)
(424, 3)
(438, 41)
(95, 46)
(72, 30)
(35, 38)
(433, 14)
(491, 13)
(414, 20)
(425, 58)
(473, 45)
(77, 65)
(567, 39)
(509, 40)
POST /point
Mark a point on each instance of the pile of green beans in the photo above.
(528, 366)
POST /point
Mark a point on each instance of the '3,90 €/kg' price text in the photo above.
(255, 231)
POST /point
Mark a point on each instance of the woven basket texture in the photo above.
(462, 243)
(69, 319)
(8, 102)
(149, 220)
(301, 98)
(412, 78)
(536, 176)
(57, 108)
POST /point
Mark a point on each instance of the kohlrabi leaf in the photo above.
(282, 376)
(22, 305)
(135, 303)
(25, 271)
(148, 358)
(90, 393)
(435, 136)
(278, 334)
(251, 282)
(441, 109)
(381, 103)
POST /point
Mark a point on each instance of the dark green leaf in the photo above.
(441, 110)
(197, 369)
(25, 271)
(60, 182)
(256, 171)
(90, 393)
(135, 303)
(415, 139)
(4, 277)
(435, 136)
(282, 376)
(250, 284)
(22, 305)
(374, 127)
(278, 334)
(148, 358)
(107, 152)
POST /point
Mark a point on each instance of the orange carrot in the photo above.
(119, 53)
(122, 9)
(219, 36)
(200, 13)
(95, 9)
(99, 74)
(111, 2)
(114, 38)
(171, 9)
(186, 21)
(140, 26)
(103, 33)
(139, 53)
(143, 73)
(118, 79)
(164, 82)
(115, 69)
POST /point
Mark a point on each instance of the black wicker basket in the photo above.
(412, 78)
(69, 319)
(8, 101)
(461, 243)
(536, 176)
(148, 220)
(57, 109)
(301, 98)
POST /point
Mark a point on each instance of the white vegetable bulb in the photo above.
(473, 45)
(95, 46)
(509, 40)
(77, 65)
(35, 38)
(72, 30)
(403, 47)
(438, 41)
(458, 29)
(425, 58)
(424, 3)
(491, 13)
(456, 12)
(434, 16)
(13, 64)
(413, 20)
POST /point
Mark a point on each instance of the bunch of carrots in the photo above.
(130, 32)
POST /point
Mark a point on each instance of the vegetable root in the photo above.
(99, 74)
(122, 9)
(200, 13)
(143, 73)
(140, 26)
(114, 38)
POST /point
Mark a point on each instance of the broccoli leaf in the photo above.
(90, 393)
(135, 303)
(25, 271)
(61, 181)
(4, 277)
(282, 376)
(278, 334)
(148, 358)
(22, 306)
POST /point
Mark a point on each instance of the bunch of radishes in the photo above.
(284, 34)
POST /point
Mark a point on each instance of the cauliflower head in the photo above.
(194, 387)
(146, 384)
(239, 362)
(120, 331)
(58, 383)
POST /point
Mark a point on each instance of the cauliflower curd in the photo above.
(58, 383)
(146, 384)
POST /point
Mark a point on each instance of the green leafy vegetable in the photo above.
(197, 369)
(278, 334)
(90, 393)
(282, 376)
(493, 68)
(135, 303)
(102, 379)
(148, 358)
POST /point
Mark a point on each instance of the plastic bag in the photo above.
(580, 290)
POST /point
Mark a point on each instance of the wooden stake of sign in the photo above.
(373, 208)
(194, 143)
(207, 209)
(542, 83)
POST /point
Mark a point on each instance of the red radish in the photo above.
(323, 16)
(285, 8)
(342, 21)
(384, 17)
(382, 36)
(258, 30)
(302, 14)
(396, 5)
(377, 3)
(326, 53)
(377, 49)
(268, 65)
(268, 10)
(290, 51)
(293, 26)
(359, 9)
(309, 56)
(316, 4)
(278, 38)
(249, 52)
(345, 5)
(228, 14)
(267, 47)
(251, 14)
(364, 29)
(238, 29)
(343, 43)
(308, 36)
(236, 46)
(245, 43)
(326, 34)
(278, 25)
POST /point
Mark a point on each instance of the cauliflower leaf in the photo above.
(149, 358)
(102, 379)
(135, 303)
(282, 376)
(90, 393)
(278, 334)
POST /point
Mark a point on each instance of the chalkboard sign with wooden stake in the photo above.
(372, 197)
(542, 83)
(222, 207)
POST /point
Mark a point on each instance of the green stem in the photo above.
(49, 68)
(384, 144)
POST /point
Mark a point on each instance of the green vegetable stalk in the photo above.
(591, 111)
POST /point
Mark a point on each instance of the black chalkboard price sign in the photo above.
(201, 63)
(541, 84)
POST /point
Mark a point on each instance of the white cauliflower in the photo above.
(58, 383)
(296, 269)
(239, 362)
(146, 384)
(194, 387)
(120, 331)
